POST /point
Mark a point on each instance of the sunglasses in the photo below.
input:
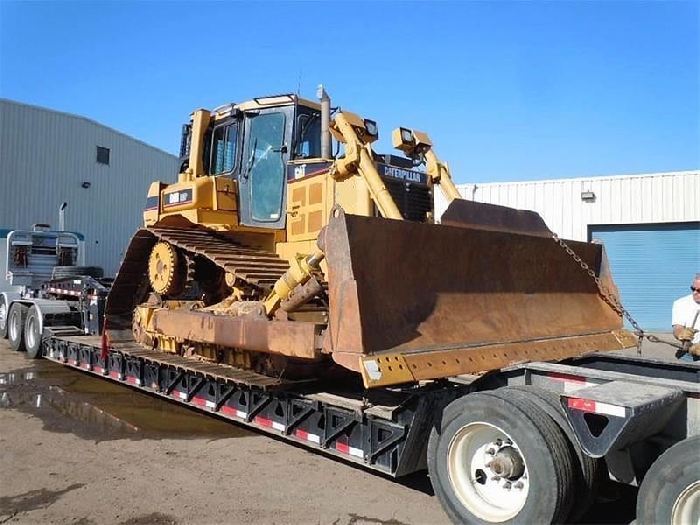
(695, 289)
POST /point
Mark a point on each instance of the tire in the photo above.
(33, 333)
(61, 272)
(670, 491)
(537, 485)
(15, 326)
(3, 317)
(589, 473)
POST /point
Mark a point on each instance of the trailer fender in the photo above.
(614, 415)
(49, 309)
(49, 312)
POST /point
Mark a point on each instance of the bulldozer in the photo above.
(276, 255)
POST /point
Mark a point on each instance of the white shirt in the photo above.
(683, 312)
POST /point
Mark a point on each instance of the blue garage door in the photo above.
(653, 265)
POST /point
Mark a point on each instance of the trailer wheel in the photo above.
(670, 491)
(3, 317)
(589, 472)
(32, 333)
(60, 272)
(496, 460)
(15, 326)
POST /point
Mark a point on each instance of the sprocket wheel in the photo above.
(165, 269)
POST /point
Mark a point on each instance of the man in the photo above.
(685, 317)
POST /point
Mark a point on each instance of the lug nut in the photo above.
(518, 485)
(506, 485)
(490, 452)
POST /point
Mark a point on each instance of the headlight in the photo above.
(406, 135)
(371, 128)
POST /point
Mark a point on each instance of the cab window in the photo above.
(223, 149)
(308, 143)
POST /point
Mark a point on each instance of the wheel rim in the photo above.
(3, 315)
(13, 328)
(487, 472)
(687, 506)
(30, 335)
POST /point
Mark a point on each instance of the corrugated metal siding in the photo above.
(623, 199)
(653, 265)
(47, 155)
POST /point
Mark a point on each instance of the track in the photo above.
(259, 268)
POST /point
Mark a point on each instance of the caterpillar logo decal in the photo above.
(402, 174)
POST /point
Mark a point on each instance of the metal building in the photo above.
(48, 158)
(649, 224)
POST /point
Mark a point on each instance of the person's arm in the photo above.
(680, 331)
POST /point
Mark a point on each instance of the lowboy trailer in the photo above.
(530, 443)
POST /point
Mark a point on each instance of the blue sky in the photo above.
(507, 90)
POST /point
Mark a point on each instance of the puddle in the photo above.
(98, 409)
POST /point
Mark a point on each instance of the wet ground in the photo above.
(91, 408)
(82, 450)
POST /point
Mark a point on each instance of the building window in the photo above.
(103, 155)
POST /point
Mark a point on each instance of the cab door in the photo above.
(263, 174)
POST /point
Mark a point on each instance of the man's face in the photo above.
(696, 290)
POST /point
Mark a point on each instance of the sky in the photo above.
(507, 91)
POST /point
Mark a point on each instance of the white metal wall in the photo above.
(621, 199)
(45, 156)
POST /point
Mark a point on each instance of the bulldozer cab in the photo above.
(253, 147)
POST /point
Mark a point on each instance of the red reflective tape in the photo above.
(263, 421)
(342, 447)
(584, 405)
(99, 369)
(311, 438)
(199, 401)
(228, 410)
(115, 375)
(566, 377)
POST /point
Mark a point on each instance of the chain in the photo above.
(604, 290)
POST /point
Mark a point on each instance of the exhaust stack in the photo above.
(325, 122)
(62, 217)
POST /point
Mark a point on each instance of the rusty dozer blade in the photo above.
(413, 301)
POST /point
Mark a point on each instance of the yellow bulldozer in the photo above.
(273, 254)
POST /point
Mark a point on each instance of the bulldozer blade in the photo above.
(485, 216)
(408, 289)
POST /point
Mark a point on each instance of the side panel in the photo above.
(307, 204)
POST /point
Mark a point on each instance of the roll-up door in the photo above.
(653, 265)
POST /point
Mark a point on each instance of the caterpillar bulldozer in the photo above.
(274, 255)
